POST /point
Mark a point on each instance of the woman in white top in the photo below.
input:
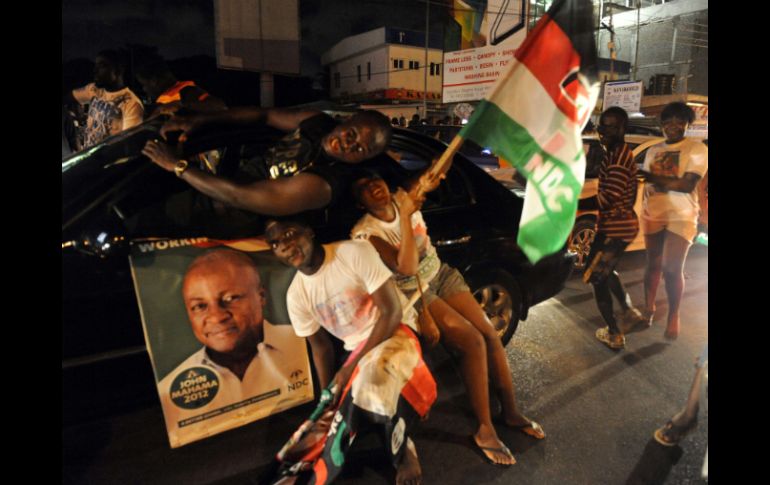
(397, 230)
(672, 170)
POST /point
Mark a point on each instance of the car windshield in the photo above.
(116, 149)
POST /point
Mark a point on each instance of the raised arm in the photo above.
(278, 197)
(282, 119)
(404, 259)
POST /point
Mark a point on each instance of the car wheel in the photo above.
(580, 241)
(499, 296)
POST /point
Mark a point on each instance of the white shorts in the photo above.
(686, 229)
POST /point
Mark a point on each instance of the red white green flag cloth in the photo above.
(534, 118)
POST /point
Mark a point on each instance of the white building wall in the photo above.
(414, 78)
(384, 74)
(353, 44)
(348, 73)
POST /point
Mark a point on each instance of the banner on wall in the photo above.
(491, 31)
(624, 94)
(222, 348)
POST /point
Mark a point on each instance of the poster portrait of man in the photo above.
(215, 322)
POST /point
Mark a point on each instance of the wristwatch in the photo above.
(180, 167)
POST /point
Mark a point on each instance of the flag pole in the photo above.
(441, 165)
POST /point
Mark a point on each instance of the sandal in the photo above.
(532, 429)
(670, 434)
(615, 341)
(488, 450)
(631, 323)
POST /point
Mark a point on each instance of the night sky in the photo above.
(183, 28)
(180, 28)
(183, 32)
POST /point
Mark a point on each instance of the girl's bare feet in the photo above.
(409, 472)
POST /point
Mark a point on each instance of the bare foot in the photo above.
(494, 449)
(409, 471)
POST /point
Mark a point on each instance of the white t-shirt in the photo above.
(390, 232)
(338, 296)
(109, 113)
(673, 160)
(219, 399)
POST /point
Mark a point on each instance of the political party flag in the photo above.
(534, 118)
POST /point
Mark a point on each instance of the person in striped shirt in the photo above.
(617, 227)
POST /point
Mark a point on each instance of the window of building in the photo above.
(369, 71)
(414, 64)
(336, 79)
(432, 68)
(398, 63)
(438, 69)
(358, 70)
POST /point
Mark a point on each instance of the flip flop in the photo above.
(532, 429)
(670, 434)
(489, 450)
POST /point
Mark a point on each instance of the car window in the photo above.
(453, 190)
(639, 157)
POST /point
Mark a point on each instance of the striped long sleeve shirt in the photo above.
(617, 194)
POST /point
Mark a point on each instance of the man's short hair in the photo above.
(118, 58)
(364, 173)
(224, 254)
(618, 112)
(677, 109)
(377, 120)
(272, 224)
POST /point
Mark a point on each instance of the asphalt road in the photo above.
(599, 408)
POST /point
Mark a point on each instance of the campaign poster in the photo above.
(218, 333)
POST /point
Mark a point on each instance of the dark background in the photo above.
(182, 31)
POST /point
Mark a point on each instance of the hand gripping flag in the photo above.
(534, 118)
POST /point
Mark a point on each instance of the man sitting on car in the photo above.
(344, 290)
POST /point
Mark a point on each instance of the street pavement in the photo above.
(599, 408)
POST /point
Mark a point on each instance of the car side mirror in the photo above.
(97, 243)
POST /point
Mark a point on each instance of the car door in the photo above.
(450, 211)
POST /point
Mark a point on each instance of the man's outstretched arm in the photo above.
(278, 197)
(282, 119)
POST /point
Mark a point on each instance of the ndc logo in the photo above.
(297, 381)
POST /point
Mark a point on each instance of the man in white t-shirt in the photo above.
(112, 107)
(244, 359)
(345, 290)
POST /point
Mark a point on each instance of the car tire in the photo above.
(499, 296)
(580, 240)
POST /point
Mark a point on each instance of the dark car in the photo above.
(477, 154)
(112, 195)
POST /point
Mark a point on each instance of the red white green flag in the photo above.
(534, 118)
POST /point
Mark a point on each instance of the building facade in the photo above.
(665, 42)
(385, 65)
